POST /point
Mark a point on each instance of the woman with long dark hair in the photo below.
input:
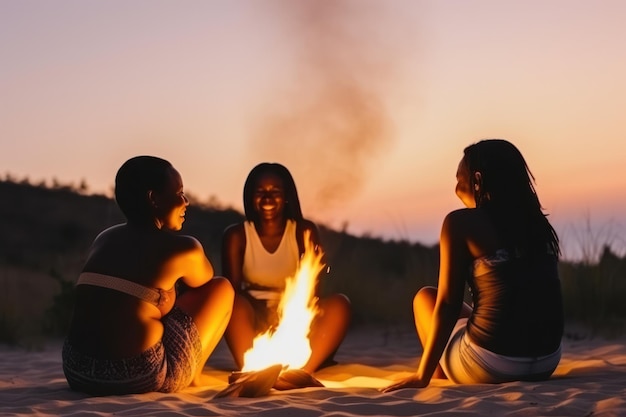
(259, 254)
(503, 246)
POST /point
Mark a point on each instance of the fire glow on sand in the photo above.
(288, 343)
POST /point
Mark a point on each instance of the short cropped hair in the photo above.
(135, 178)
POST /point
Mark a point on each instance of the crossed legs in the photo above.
(327, 330)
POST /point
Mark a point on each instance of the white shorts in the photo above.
(464, 362)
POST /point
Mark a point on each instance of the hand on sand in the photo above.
(296, 378)
(411, 382)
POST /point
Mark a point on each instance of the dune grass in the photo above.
(595, 294)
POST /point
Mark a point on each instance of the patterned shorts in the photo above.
(168, 366)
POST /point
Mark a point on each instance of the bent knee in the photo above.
(223, 288)
(337, 305)
(425, 296)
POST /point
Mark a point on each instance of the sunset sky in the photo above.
(368, 103)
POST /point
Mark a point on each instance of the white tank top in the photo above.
(266, 269)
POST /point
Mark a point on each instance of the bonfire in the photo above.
(284, 347)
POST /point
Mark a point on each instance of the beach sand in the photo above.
(590, 381)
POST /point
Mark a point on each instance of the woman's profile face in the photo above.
(171, 203)
(269, 196)
(464, 185)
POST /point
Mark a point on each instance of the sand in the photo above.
(590, 381)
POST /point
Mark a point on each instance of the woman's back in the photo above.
(517, 309)
(502, 245)
(517, 306)
(130, 333)
(110, 323)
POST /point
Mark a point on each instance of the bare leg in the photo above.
(240, 331)
(423, 307)
(328, 329)
(210, 306)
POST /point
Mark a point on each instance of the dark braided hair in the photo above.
(506, 190)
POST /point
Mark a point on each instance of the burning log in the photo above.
(296, 378)
(252, 383)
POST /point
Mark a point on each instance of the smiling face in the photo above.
(170, 203)
(464, 189)
(269, 197)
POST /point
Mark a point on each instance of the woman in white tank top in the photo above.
(257, 257)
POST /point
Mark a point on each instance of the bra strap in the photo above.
(118, 284)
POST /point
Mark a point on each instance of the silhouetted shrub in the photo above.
(58, 316)
(9, 325)
(593, 294)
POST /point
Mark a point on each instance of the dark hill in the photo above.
(45, 234)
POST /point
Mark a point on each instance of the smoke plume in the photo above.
(328, 123)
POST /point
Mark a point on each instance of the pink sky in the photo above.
(369, 103)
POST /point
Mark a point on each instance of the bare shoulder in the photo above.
(110, 231)
(464, 223)
(471, 228)
(466, 218)
(234, 233)
(188, 261)
(305, 225)
(459, 216)
(302, 227)
(234, 229)
(187, 247)
(115, 235)
(187, 242)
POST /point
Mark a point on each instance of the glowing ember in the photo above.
(288, 344)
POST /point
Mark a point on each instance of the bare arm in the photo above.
(307, 226)
(233, 247)
(302, 228)
(196, 268)
(454, 260)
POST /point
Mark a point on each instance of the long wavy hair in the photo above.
(506, 189)
(292, 202)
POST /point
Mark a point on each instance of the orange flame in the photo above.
(289, 343)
